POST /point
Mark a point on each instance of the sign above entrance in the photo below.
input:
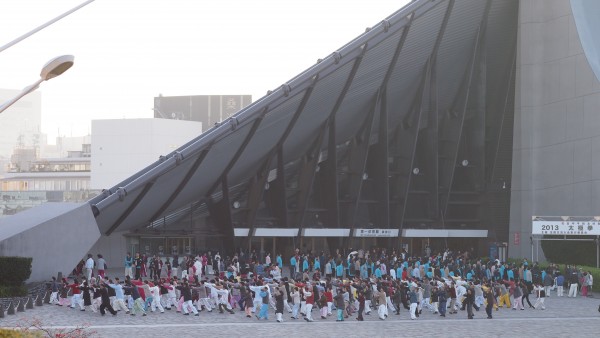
(444, 233)
(326, 232)
(376, 232)
(276, 232)
(568, 228)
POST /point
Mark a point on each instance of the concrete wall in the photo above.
(55, 235)
(120, 148)
(556, 157)
(113, 248)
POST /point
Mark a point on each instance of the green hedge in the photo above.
(12, 291)
(570, 252)
(595, 271)
(14, 271)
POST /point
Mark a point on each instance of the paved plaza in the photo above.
(563, 317)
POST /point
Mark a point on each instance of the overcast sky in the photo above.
(129, 51)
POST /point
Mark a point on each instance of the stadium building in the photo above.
(450, 123)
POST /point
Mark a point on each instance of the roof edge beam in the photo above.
(181, 184)
(239, 152)
(130, 208)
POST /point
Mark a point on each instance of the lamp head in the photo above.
(56, 66)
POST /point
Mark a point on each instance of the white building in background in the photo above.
(20, 124)
(65, 146)
(122, 147)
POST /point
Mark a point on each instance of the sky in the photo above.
(129, 51)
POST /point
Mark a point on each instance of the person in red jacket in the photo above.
(310, 301)
(329, 295)
(76, 299)
(404, 274)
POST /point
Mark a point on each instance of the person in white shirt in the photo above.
(119, 303)
(198, 268)
(328, 270)
(89, 267)
(276, 273)
(155, 292)
(295, 294)
(540, 292)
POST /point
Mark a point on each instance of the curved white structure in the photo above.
(587, 20)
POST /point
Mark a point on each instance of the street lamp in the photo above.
(52, 69)
(28, 34)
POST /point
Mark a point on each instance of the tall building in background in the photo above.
(20, 124)
(208, 109)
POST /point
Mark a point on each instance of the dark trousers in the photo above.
(488, 310)
(526, 297)
(224, 307)
(107, 306)
(361, 309)
(397, 306)
(442, 308)
(470, 310)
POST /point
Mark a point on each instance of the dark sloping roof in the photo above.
(393, 55)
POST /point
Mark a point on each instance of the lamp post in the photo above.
(52, 69)
(30, 33)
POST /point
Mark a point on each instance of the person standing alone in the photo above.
(89, 267)
(101, 266)
(128, 264)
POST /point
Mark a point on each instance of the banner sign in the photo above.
(565, 228)
(376, 232)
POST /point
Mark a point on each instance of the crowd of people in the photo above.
(343, 285)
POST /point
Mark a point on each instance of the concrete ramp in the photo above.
(55, 235)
